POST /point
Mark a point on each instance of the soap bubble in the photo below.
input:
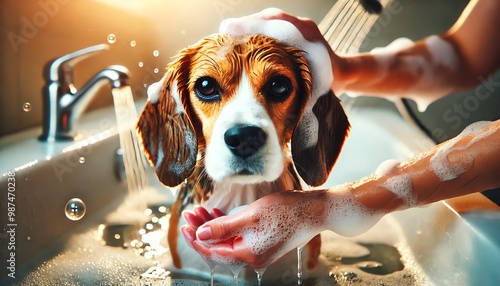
(75, 209)
(111, 38)
(27, 106)
(156, 53)
(141, 64)
(156, 70)
(132, 43)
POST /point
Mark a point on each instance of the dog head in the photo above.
(239, 101)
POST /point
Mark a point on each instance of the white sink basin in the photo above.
(437, 245)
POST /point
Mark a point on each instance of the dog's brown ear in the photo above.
(318, 139)
(167, 134)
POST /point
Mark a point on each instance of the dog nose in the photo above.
(244, 140)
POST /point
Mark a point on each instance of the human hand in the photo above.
(306, 26)
(259, 234)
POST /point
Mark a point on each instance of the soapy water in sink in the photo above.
(357, 262)
(130, 255)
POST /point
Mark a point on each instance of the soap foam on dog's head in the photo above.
(316, 54)
(154, 91)
(286, 32)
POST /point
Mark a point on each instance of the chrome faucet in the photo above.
(63, 103)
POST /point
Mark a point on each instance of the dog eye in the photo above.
(278, 88)
(206, 89)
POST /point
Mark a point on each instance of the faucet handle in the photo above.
(61, 69)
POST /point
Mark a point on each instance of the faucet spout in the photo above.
(63, 103)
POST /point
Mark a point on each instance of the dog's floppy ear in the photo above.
(167, 134)
(318, 139)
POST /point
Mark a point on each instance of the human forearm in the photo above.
(429, 69)
(461, 58)
(468, 164)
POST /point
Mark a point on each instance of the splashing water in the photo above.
(212, 275)
(260, 274)
(235, 276)
(75, 209)
(111, 38)
(212, 272)
(27, 107)
(299, 264)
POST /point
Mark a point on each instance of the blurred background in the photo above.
(144, 35)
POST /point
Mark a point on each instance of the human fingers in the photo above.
(217, 213)
(189, 234)
(203, 214)
(221, 249)
(192, 219)
(224, 227)
(306, 26)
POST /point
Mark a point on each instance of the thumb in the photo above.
(223, 228)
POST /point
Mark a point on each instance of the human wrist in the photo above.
(346, 214)
(340, 69)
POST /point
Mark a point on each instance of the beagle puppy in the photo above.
(229, 123)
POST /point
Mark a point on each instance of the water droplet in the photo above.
(156, 53)
(156, 70)
(27, 106)
(111, 38)
(81, 160)
(141, 64)
(75, 209)
(28, 238)
(132, 43)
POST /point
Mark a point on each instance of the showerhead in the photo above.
(371, 6)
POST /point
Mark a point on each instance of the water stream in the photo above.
(133, 157)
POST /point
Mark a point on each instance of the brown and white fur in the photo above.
(224, 121)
